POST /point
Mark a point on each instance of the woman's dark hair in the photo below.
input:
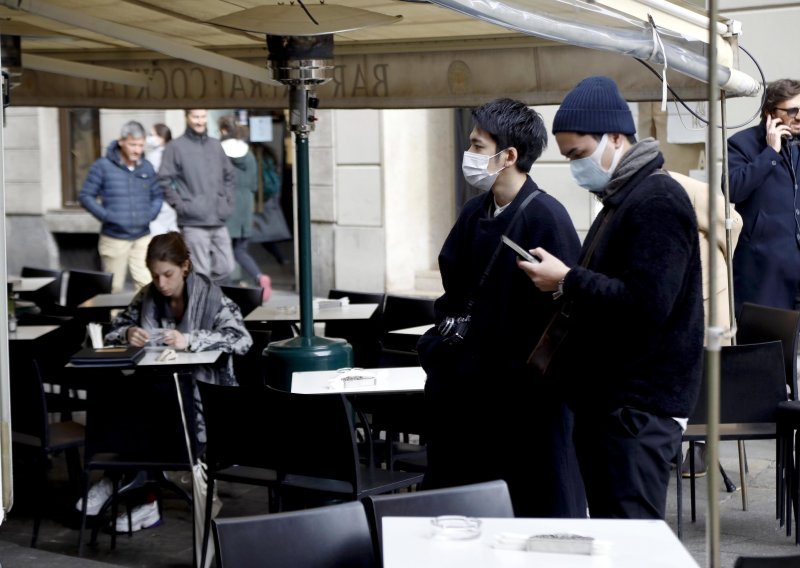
(169, 247)
(163, 132)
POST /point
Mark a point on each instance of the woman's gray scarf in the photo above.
(202, 303)
(640, 154)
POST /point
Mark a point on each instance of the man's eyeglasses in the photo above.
(791, 112)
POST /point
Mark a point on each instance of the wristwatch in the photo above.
(560, 291)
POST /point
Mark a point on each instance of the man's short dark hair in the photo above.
(513, 123)
(777, 92)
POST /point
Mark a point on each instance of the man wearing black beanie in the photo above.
(632, 356)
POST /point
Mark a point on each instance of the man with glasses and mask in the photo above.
(486, 417)
(631, 359)
(763, 166)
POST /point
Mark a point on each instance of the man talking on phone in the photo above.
(763, 166)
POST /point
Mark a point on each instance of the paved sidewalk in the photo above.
(754, 532)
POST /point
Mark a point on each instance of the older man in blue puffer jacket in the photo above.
(123, 193)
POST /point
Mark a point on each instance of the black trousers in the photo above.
(626, 458)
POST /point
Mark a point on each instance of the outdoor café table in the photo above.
(98, 308)
(409, 542)
(291, 313)
(387, 381)
(29, 283)
(405, 339)
(31, 332)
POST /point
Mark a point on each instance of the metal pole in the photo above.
(304, 237)
(713, 340)
(728, 222)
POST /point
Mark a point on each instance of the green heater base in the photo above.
(282, 358)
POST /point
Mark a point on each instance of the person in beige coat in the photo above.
(698, 195)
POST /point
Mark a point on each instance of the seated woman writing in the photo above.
(183, 310)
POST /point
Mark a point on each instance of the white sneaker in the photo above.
(98, 494)
(142, 517)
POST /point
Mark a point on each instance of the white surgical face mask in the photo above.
(589, 172)
(475, 168)
(153, 141)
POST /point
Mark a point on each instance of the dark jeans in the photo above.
(626, 458)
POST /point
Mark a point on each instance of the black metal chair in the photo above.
(767, 562)
(364, 336)
(242, 441)
(49, 295)
(249, 368)
(34, 435)
(756, 324)
(489, 499)
(400, 312)
(752, 385)
(134, 426)
(248, 299)
(319, 454)
(326, 537)
(85, 284)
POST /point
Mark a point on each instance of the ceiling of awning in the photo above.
(431, 56)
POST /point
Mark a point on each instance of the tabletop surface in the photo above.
(291, 312)
(30, 332)
(151, 355)
(115, 300)
(416, 330)
(387, 380)
(409, 542)
(29, 283)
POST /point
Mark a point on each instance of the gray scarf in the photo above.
(640, 154)
(202, 301)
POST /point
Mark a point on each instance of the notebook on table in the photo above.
(117, 356)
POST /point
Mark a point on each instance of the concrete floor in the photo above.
(754, 532)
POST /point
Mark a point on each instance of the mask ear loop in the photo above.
(659, 45)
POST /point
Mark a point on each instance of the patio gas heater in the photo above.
(302, 63)
(300, 44)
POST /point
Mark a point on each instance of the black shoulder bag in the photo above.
(556, 331)
(454, 328)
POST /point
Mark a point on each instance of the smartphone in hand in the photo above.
(525, 255)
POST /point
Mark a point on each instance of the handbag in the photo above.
(555, 333)
(270, 224)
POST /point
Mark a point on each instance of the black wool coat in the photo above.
(636, 329)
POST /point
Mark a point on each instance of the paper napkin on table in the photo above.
(95, 331)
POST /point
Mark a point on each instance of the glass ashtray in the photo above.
(456, 527)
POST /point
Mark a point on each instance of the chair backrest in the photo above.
(48, 295)
(85, 284)
(758, 324)
(359, 297)
(364, 336)
(767, 561)
(243, 427)
(249, 369)
(318, 437)
(751, 384)
(248, 299)
(325, 537)
(28, 403)
(489, 499)
(137, 419)
(400, 312)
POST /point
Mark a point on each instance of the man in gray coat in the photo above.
(198, 181)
